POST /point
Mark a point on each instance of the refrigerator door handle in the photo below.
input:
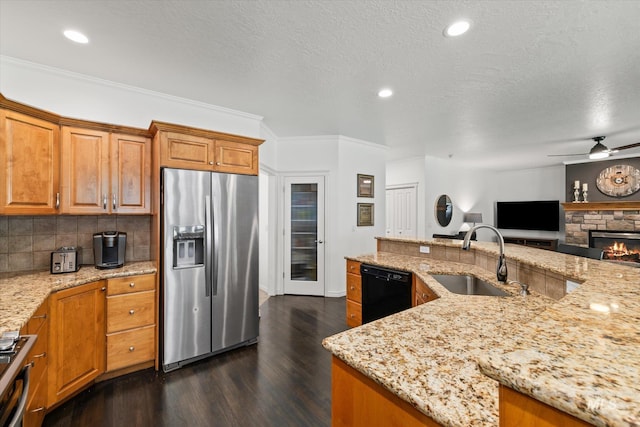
(216, 214)
(208, 253)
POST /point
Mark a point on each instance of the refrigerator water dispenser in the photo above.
(188, 246)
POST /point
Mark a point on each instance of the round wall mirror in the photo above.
(444, 210)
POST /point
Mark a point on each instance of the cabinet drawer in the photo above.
(354, 288)
(130, 348)
(130, 311)
(38, 355)
(125, 285)
(37, 402)
(38, 319)
(354, 314)
(353, 267)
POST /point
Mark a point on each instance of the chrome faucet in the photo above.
(501, 269)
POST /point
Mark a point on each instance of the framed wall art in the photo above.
(365, 185)
(365, 214)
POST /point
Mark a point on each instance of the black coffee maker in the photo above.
(108, 249)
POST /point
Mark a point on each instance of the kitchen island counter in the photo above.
(22, 293)
(560, 352)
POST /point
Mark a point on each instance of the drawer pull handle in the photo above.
(132, 348)
(132, 285)
(40, 409)
(132, 311)
(38, 356)
(42, 316)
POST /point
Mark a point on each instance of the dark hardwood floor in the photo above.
(284, 380)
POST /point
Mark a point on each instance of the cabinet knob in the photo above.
(218, 163)
(132, 348)
(132, 285)
(424, 295)
(353, 315)
(103, 289)
(352, 288)
(210, 163)
(132, 311)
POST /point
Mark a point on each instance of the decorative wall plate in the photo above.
(619, 180)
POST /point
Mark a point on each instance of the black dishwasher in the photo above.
(384, 292)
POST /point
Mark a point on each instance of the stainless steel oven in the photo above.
(384, 292)
(14, 377)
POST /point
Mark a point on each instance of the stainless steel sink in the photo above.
(468, 285)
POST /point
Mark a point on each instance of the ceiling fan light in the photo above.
(599, 151)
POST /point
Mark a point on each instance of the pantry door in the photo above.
(304, 236)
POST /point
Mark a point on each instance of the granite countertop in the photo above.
(436, 356)
(22, 293)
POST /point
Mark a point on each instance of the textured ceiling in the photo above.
(531, 78)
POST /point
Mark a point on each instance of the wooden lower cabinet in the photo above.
(517, 409)
(354, 294)
(38, 358)
(77, 346)
(131, 328)
(358, 401)
(422, 292)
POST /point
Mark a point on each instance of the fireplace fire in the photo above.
(621, 246)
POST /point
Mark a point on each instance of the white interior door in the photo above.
(304, 235)
(401, 210)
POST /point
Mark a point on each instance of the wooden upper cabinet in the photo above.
(29, 162)
(190, 148)
(105, 173)
(85, 171)
(186, 151)
(130, 174)
(235, 157)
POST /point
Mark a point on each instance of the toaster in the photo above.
(66, 259)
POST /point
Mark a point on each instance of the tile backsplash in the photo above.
(26, 242)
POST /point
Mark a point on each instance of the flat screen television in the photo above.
(541, 215)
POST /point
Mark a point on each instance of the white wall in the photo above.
(474, 190)
(83, 97)
(339, 159)
(469, 190)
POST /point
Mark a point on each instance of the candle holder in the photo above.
(584, 196)
(576, 194)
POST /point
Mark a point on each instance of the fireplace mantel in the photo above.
(601, 206)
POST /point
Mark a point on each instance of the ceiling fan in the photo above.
(599, 151)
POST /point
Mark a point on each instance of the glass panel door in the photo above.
(304, 234)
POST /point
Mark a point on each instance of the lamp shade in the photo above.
(472, 217)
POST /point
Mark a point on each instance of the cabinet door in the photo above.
(186, 151)
(29, 165)
(85, 171)
(235, 157)
(130, 174)
(77, 342)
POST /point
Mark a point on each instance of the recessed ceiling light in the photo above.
(457, 28)
(76, 36)
(385, 93)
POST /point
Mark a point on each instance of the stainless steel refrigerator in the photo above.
(209, 283)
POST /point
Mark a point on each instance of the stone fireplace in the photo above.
(621, 246)
(583, 218)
